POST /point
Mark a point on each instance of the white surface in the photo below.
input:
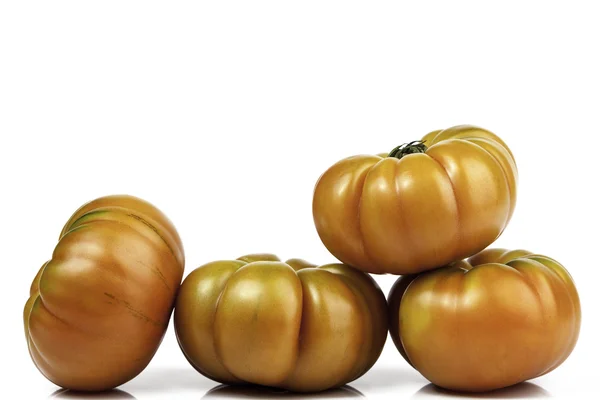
(224, 115)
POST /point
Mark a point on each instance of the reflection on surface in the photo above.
(261, 392)
(110, 394)
(518, 391)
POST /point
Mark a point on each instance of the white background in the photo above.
(224, 114)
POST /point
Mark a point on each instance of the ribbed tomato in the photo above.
(499, 318)
(290, 325)
(99, 308)
(426, 204)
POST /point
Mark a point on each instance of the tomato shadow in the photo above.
(385, 378)
(261, 392)
(168, 380)
(518, 391)
(72, 394)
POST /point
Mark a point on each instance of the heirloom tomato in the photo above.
(99, 308)
(499, 318)
(290, 325)
(426, 204)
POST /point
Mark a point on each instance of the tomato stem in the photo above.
(416, 146)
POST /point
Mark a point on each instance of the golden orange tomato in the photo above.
(290, 325)
(425, 205)
(499, 318)
(99, 308)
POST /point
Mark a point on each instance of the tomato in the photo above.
(289, 325)
(499, 318)
(99, 308)
(425, 205)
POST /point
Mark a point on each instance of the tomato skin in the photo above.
(99, 308)
(424, 210)
(290, 325)
(499, 318)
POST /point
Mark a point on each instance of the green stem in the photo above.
(416, 146)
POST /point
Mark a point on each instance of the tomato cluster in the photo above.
(499, 318)
(466, 317)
